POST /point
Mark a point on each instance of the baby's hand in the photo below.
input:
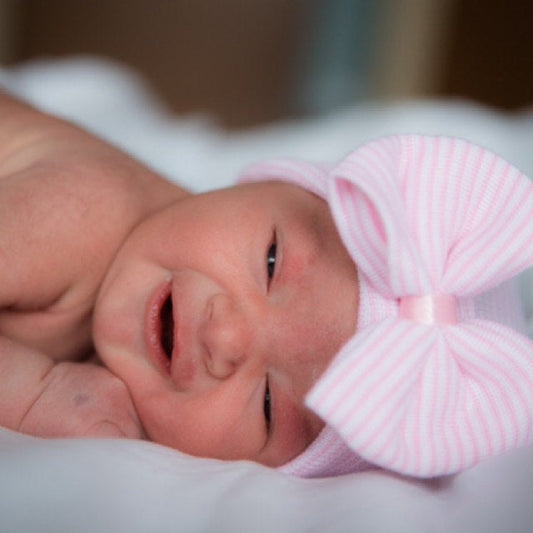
(82, 400)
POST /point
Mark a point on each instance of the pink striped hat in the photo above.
(437, 376)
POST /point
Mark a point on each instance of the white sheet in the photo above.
(130, 486)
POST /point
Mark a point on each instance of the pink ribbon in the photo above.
(431, 223)
(429, 309)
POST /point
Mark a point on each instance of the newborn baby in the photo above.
(321, 320)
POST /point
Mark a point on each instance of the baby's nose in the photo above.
(225, 335)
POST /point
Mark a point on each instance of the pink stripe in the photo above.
(387, 432)
(483, 255)
(337, 379)
(381, 395)
(492, 373)
(382, 399)
(414, 442)
(368, 370)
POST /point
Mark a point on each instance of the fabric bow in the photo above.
(429, 388)
(431, 223)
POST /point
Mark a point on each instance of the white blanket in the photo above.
(131, 486)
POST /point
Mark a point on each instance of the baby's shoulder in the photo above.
(67, 202)
(60, 220)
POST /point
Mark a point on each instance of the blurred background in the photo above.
(249, 62)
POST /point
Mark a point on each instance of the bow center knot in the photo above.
(430, 309)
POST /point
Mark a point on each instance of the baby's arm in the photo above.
(48, 399)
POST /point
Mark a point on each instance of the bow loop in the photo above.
(366, 202)
(427, 401)
(429, 215)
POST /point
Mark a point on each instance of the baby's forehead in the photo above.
(279, 189)
(265, 193)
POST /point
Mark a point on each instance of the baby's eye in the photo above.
(267, 407)
(271, 260)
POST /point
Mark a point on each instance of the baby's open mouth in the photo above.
(167, 327)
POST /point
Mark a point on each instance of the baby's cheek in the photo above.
(298, 267)
(295, 429)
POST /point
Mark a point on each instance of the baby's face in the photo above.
(221, 311)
